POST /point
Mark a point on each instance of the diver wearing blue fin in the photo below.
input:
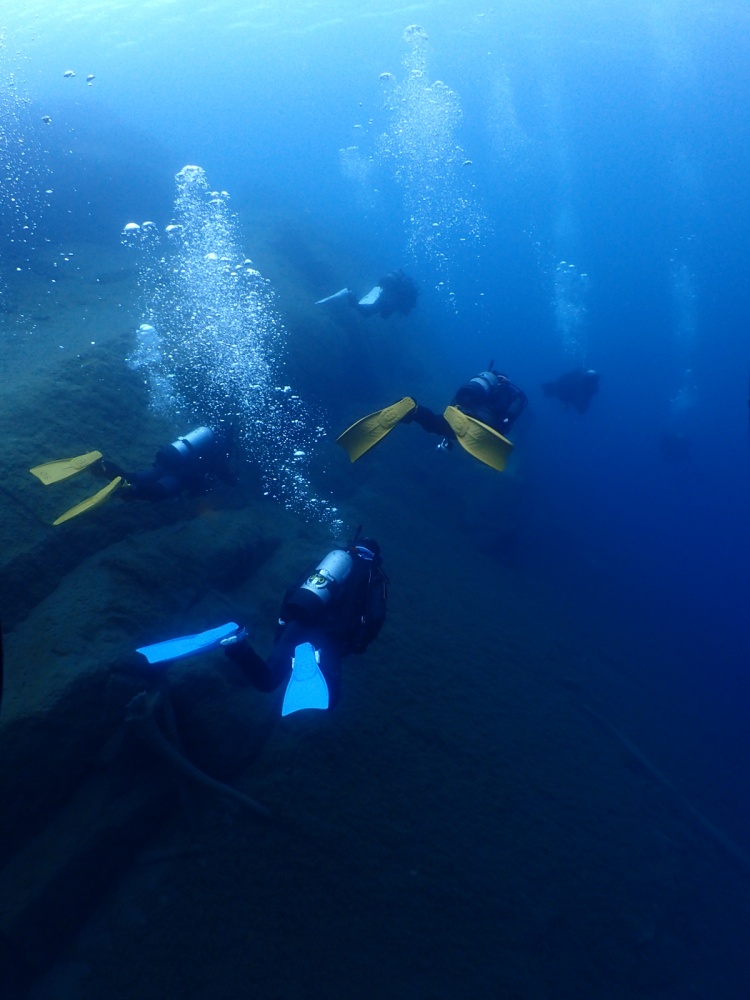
(336, 609)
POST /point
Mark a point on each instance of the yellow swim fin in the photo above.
(93, 501)
(481, 441)
(360, 437)
(64, 468)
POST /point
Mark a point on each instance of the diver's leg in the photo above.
(152, 484)
(278, 666)
(433, 423)
(257, 671)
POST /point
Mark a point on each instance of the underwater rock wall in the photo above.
(83, 793)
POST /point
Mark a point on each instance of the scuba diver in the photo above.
(483, 410)
(576, 388)
(337, 608)
(193, 462)
(394, 292)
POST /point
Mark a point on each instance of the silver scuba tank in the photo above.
(196, 443)
(485, 382)
(327, 578)
(478, 391)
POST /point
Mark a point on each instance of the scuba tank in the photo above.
(190, 449)
(329, 576)
(492, 398)
(202, 452)
(479, 390)
(309, 601)
(346, 595)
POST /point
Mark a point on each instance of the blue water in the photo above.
(575, 194)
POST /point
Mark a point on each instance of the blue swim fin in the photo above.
(372, 297)
(307, 687)
(189, 645)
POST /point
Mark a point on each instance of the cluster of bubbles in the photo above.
(21, 162)
(569, 303)
(508, 136)
(211, 347)
(358, 168)
(419, 148)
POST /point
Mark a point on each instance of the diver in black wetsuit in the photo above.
(576, 388)
(489, 397)
(336, 609)
(191, 463)
(482, 412)
(395, 292)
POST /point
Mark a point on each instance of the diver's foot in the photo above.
(109, 469)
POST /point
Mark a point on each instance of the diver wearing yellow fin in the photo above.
(193, 462)
(482, 412)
